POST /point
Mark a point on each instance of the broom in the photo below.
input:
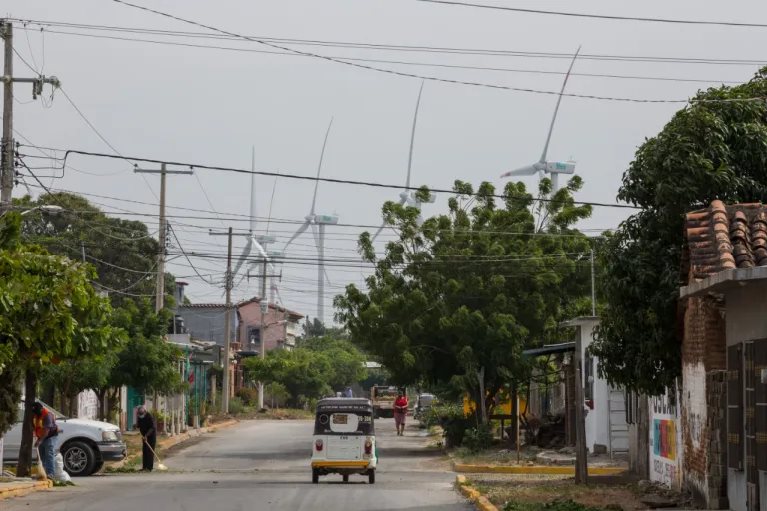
(41, 467)
(160, 466)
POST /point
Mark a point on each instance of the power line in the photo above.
(419, 76)
(387, 47)
(436, 64)
(181, 248)
(371, 184)
(597, 16)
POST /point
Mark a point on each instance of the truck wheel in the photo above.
(372, 477)
(79, 459)
(315, 477)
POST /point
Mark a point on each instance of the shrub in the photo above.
(249, 396)
(236, 406)
(478, 439)
(452, 420)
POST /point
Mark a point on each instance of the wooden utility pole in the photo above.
(7, 150)
(159, 302)
(228, 326)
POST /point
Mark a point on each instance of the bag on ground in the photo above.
(59, 473)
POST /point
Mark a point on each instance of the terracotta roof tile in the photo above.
(724, 237)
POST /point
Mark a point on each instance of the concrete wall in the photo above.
(746, 321)
(598, 418)
(665, 439)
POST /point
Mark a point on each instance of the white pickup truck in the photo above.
(84, 444)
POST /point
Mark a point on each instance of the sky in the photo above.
(209, 106)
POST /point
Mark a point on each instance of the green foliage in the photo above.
(248, 395)
(478, 439)
(707, 151)
(556, 505)
(314, 369)
(73, 376)
(236, 406)
(48, 309)
(451, 419)
(456, 299)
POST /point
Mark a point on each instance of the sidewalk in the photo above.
(19, 487)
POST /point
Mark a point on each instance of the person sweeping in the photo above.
(45, 429)
(148, 429)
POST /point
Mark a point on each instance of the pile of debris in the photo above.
(657, 496)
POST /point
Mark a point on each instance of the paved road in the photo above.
(264, 465)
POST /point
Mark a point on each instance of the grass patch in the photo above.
(550, 493)
(492, 456)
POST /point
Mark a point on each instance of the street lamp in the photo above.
(48, 208)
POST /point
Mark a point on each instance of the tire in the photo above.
(79, 459)
(346, 478)
(372, 477)
(98, 467)
(315, 477)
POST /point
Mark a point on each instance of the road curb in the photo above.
(167, 443)
(532, 469)
(479, 500)
(8, 490)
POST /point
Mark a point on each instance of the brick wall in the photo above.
(716, 396)
(703, 408)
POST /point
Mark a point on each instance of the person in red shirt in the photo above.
(400, 412)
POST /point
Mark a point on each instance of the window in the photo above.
(254, 335)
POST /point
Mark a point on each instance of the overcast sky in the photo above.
(210, 106)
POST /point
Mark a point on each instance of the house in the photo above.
(277, 326)
(202, 321)
(724, 356)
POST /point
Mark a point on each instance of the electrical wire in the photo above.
(370, 184)
(425, 64)
(425, 77)
(597, 16)
(183, 252)
(396, 47)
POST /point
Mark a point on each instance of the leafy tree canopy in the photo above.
(709, 150)
(457, 298)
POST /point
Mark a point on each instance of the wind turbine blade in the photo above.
(245, 253)
(326, 275)
(302, 228)
(260, 249)
(556, 109)
(383, 225)
(253, 189)
(412, 136)
(530, 170)
(319, 166)
(315, 235)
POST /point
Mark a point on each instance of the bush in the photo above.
(276, 395)
(236, 406)
(452, 420)
(478, 439)
(248, 396)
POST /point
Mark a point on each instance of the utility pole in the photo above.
(160, 287)
(228, 326)
(262, 333)
(593, 289)
(7, 172)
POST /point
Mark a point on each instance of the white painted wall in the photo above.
(598, 419)
(87, 405)
(665, 440)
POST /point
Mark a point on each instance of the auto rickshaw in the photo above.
(344, 439)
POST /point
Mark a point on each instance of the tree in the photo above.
(303, 372)
(456, 299)
(73, 376)
(346, 361)
(48, 311)
(709, 150)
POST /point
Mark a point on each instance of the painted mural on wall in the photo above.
(665, 433)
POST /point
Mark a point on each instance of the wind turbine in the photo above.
(317, 222)
(543, 166)
(408, 197)
(255, 244)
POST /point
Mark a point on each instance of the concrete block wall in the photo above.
(716, 383)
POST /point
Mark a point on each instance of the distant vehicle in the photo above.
(383, 397)
(84, 444)
(423, 405)
(344, 439)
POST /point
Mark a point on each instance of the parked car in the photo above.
(84, 444)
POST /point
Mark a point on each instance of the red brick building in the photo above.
(724, 357)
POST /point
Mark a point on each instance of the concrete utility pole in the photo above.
(160, 287)
(228, 326)
(7, 172)
(593, 289)
(262, 333)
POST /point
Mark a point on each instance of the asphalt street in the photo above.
(264, 465)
